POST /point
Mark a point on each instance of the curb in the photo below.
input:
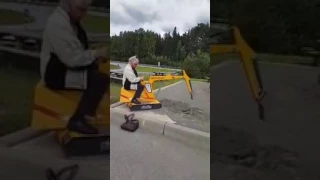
(19, 137)
(183, 134)
(287, 65)
(187, 135)
(114, 105)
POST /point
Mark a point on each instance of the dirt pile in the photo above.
(186, 115)
(247, 160)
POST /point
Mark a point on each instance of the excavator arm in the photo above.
(249, 62)
(166, 77)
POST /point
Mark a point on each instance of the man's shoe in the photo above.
(82, 127)
(135, 101)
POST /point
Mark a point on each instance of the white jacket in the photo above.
(128, 73)
(60, 37)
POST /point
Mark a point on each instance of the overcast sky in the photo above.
(158, 15)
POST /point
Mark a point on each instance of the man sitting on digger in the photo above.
(131, 80)
(67, 63)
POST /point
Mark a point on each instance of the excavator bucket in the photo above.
(188, 83)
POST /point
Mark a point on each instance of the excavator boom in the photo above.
(171, 77)
(249, 62)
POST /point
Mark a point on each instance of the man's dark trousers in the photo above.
(139, 91)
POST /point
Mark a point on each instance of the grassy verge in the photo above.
(93, 24)
(96, 24)
(16, 99)
(113, 66)
(9, 17)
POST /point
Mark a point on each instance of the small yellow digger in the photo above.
(148, 99)
(52, 109)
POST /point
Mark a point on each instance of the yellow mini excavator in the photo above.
(52, 109)
(148, 99)
(228, 39)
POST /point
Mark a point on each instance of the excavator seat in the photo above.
(51, 111)
(147, 100)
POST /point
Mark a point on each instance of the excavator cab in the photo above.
(52, 110)
(228, 39)
(148, 99)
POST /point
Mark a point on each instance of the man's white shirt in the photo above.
(128, 73)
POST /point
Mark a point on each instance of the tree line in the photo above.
(273, 26)
(189, 50)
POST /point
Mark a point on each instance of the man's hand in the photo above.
(102, 53)
(142, 77)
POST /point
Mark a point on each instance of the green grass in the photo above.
(199, 80)
(152, 69)
(114, 92)
(93, 24)
(96, 24)
(16, 99)
(113, 66)
(9, 17)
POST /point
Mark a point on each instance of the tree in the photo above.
(197, 65)
(150, 47)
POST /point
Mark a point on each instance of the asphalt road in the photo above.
(292, 116)
(145, 156)
(140, 155)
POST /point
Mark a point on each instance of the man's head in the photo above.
(133, 61)
(77, 9)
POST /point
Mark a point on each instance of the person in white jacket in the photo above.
(66, 62)
(131, 80)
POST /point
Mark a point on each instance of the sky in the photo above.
(160, 16)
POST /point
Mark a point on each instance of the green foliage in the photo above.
(170, 49)
(273, 26)
(197, 65)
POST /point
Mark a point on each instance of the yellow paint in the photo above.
(64, 103)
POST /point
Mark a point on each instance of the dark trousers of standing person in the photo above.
(97, 85)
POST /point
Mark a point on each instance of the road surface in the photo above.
(140, 155)
(285, 145)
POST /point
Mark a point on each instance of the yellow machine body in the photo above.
(249, 62)
(148, 99)
(52, 110)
